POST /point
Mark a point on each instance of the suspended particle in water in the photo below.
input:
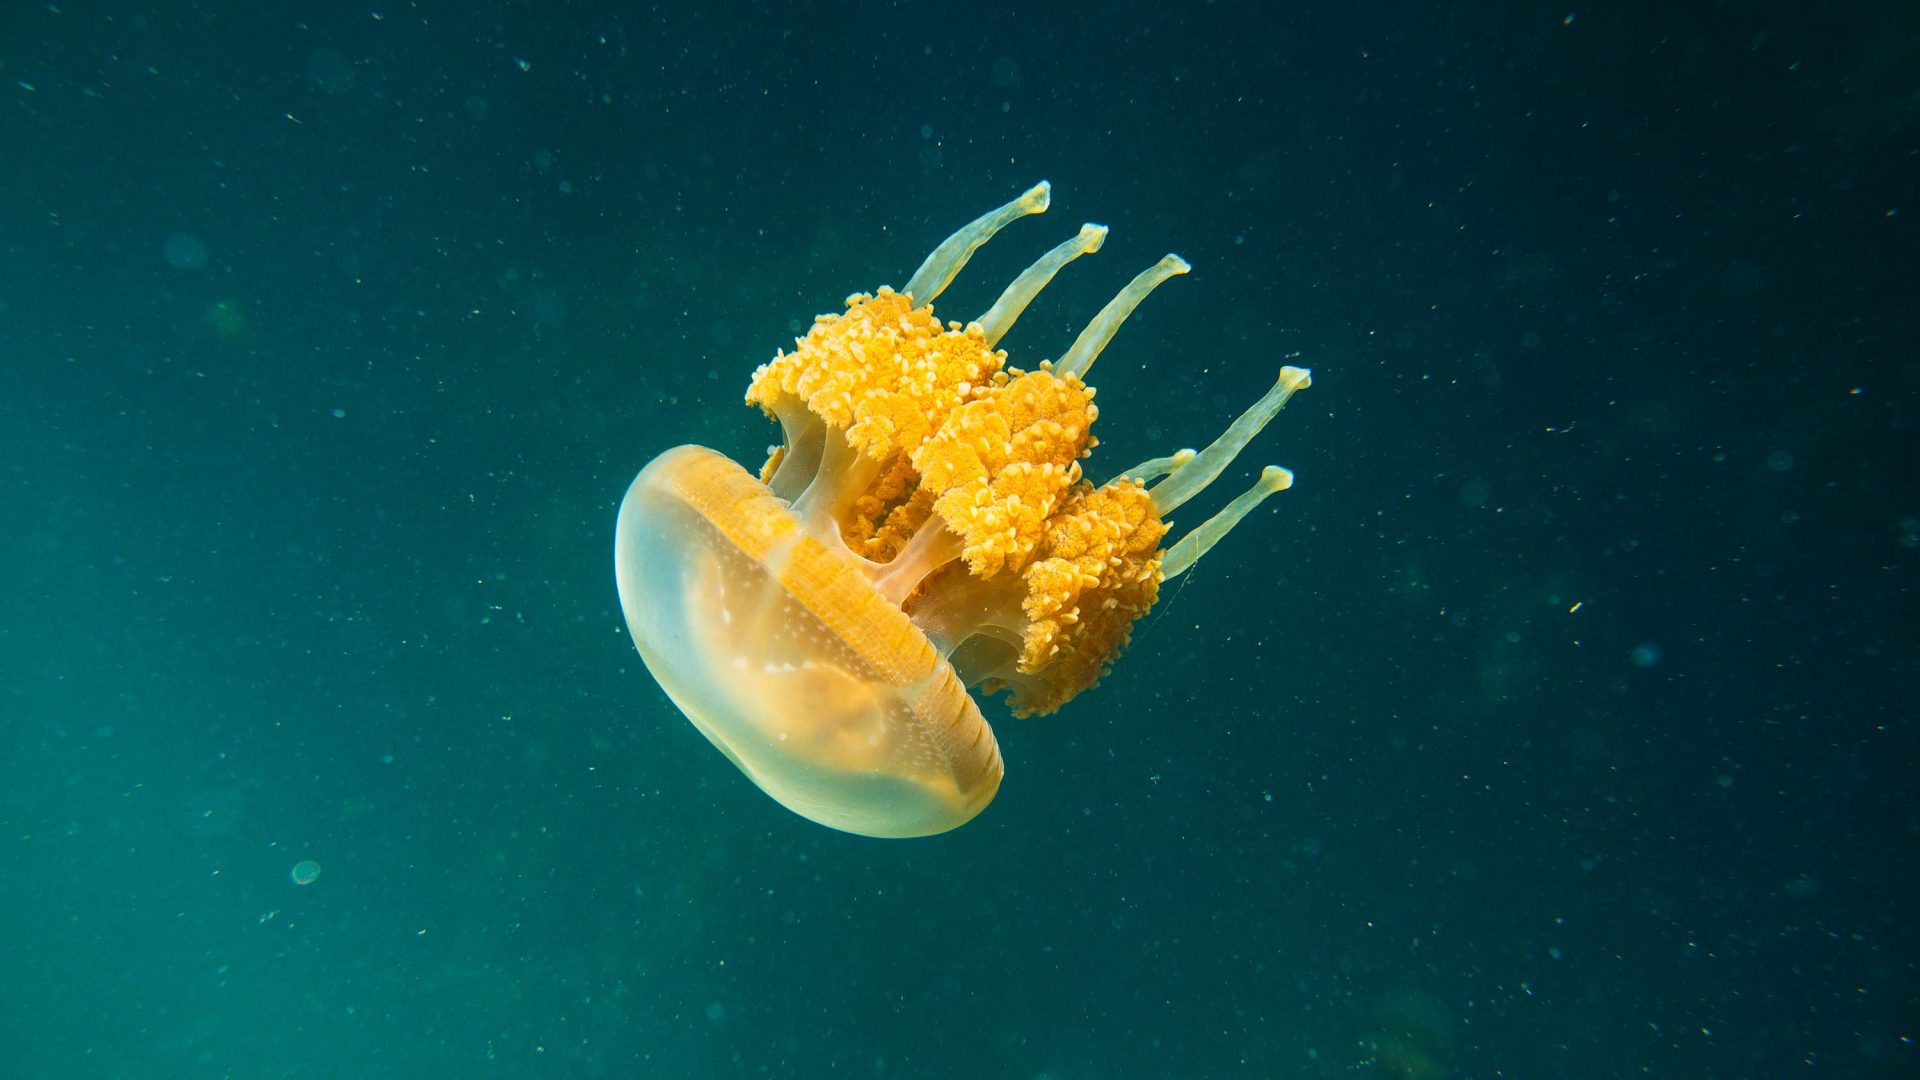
(305, 872)
(225, 318)
(185, 251)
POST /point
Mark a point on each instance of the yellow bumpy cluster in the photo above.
(994, 454)
(1096, 570)
(1000, 464)
(885, 373)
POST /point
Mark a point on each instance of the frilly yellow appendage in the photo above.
(885, 374)
(1000, 464)
(1097, 571)
(958, 480)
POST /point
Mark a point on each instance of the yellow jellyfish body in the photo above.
(924, 528)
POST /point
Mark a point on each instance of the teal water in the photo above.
(1557, 723)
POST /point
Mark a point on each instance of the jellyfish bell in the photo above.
(925, 528)
(773, 643)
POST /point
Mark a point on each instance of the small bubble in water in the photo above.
(339, 414)
(305, 872)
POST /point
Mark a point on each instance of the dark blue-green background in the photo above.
(331, 334)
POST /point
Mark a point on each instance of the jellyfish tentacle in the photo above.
(1193, 478)
(1154, 468)
(1001, 316)
(1086, 348)
(938, 271)
(1201, 540)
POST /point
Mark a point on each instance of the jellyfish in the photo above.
(925, 532)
